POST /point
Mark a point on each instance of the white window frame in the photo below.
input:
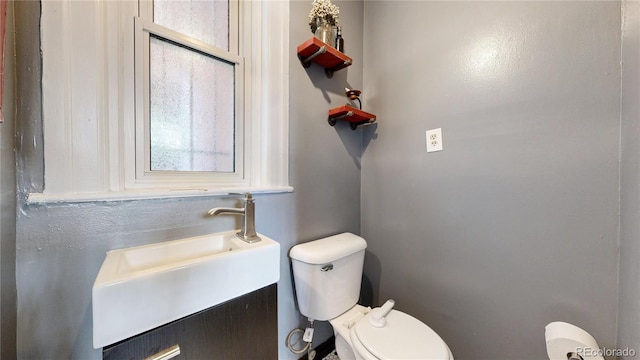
(144, 176)
(89, 106)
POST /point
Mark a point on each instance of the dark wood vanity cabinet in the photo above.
(243, 328)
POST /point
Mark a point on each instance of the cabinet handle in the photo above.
(166, 354)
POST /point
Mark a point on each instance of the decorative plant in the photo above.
(323, 9)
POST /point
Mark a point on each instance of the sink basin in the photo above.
(143, 287)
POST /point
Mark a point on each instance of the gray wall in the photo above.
(515, 223)
(629, 282)
(8, 199)
(325, 160)
(60, 247)
(512, 226)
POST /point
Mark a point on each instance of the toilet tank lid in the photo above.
(328, 249)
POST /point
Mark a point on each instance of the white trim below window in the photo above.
(89, 108)
(40, 198)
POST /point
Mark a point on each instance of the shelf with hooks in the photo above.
(354, 116)
(323, 54)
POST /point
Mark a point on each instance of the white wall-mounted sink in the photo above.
(143, 287)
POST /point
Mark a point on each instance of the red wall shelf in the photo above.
(314, 50)
(348, 113)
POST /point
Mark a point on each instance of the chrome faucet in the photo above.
(248, 213)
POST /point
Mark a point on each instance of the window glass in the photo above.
(192, 102)
(207, 21)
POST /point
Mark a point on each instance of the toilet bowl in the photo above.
(405, 337)
(327, 275)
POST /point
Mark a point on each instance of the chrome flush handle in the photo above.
(327, 268)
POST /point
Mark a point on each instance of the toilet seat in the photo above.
(403, 338)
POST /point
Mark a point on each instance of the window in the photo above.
(116, 128)
(190, 93)
(192, 114)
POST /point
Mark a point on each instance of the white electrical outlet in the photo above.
(434, 140)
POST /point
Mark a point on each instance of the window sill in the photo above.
(44, 198)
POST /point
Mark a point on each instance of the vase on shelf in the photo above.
(324, 31)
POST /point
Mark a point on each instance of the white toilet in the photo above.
(327, 274)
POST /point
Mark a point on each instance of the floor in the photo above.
(331, 356)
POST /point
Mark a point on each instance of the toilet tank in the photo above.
(327, 274)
